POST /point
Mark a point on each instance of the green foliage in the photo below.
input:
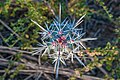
(116, 70)
(17, 14)
(22, 26)
(4, 8)
(117, 31)
(72, 78)
(11, 65)
(102, 3)
(19, 67)
(78, 8)
(107, 57)
(2, 78)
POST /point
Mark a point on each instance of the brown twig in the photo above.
(62, 72)
(23, 55)
(49, 70)
(27, 78)
(15, 50)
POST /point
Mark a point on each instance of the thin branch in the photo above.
(3, 39)
(103, 70)
(14, 49)
(39, 75)
(27, 78)
(9, 28)
(23, 55)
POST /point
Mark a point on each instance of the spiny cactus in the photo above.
(63, 38)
